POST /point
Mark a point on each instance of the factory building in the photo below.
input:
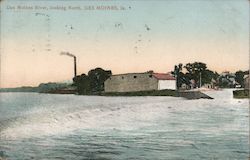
(132, 82)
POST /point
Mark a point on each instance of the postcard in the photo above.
(116, 80)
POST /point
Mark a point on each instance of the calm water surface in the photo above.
(44, 126)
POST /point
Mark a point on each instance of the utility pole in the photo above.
(176, 77)
(200, 79)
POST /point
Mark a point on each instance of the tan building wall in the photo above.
(131, 82)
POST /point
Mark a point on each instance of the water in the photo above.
(45, 126)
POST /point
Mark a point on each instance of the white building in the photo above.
(165, 81)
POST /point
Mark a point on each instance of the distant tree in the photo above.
(97, 78)
(195, 70)
(183, 79)
(82, 84)
(224, 84)
(226, 80)
(239, 77)
(216, 75)
(177, 72)
(93, 82)
(51, 86)
(207, 76)
(246, 72)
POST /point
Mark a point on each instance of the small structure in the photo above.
(192, 84)
(132, 82)
(227, 79)
(184, 87)
(210, 85)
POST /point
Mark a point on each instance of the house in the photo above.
(246, 81)
(227, 79)
(210, 85)
(132, 82)
(192, 84)
(184, 86)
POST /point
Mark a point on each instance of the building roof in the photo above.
(159, 76)
(163, 76)
(124, 74)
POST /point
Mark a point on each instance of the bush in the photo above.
(241, 93)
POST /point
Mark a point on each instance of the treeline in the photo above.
(197, 74)
(239, 77)
(42, 88)
(19, 89)
(93, 82)
(51, 86)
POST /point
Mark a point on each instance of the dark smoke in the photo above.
(67, 54)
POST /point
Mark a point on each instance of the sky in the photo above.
(137, 36)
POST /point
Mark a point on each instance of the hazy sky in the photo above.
(140, 36)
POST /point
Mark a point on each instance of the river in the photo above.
(49, 126)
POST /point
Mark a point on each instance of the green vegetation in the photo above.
(194, 71)
(241, 93)
(198, 71)
(51, 87)
(142, 93)
(179, 75)
(232, 80)
(239, 77)
(20, 89)
(93, 82)
(42, 88)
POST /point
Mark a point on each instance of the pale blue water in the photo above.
(44, 126)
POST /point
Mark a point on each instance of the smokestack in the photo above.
(71, 55)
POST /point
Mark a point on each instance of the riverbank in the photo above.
(166, 92)
(241, 93)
